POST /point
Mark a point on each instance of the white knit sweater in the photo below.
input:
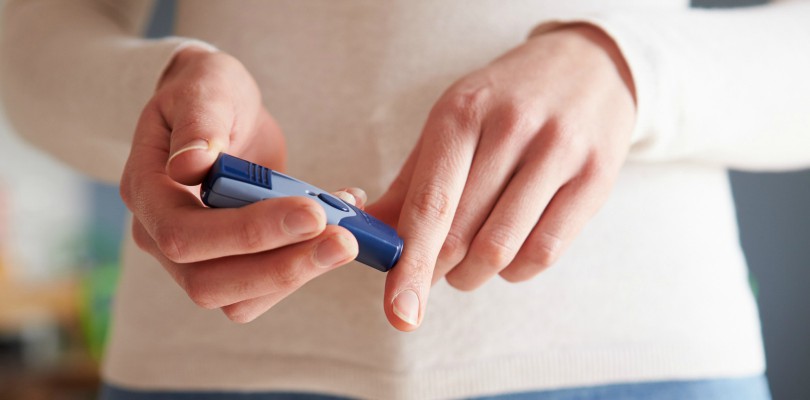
(654, 288)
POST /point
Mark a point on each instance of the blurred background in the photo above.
(60, 234)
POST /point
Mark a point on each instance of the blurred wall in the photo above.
(44, 208)
(45, 204)
(773, 211)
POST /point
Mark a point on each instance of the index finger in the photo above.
(448, 144)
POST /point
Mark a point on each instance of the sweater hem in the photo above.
(551, 370)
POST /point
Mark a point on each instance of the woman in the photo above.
(597, 146)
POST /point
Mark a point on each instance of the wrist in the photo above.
(599, 39)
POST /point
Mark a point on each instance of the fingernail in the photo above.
(406, 307)
(347, 197)
(332, 251)
(196, 144)
(301, 222)
(360, 195)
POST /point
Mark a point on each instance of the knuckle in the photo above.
(199, 291)
(251, 234)
(511, 278)
(432, 201)
(543, 257)
(226, 61)
(235, 316)
(546, 250)
(129, 191)
(286, 277)
(238, 314)
(171, 243)
(124, 190)
(459, 284)
(244, 289)
(465, 102)
(212, 75)
(558, 134)
(599, 168)
(519, 276)
(514, 120)
(140, 237)
(498, 247)
(454, 248)
(163, 95)
(559, 138)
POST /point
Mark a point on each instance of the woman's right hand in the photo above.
(242, 260)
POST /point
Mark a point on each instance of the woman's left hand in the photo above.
(513, 161)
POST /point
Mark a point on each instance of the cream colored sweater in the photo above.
(654, 288)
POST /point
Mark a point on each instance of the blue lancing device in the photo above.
(233, 182)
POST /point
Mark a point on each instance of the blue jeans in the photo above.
(752, 388)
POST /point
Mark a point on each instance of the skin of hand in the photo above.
(243, 260)
(512, 162)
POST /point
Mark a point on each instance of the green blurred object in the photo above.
(100, 254)
(752, 281)
(96, 294)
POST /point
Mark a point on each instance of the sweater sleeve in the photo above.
(727, 87)
(76, 74)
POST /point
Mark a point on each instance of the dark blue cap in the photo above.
(380, 246)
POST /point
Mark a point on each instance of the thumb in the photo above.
(196, 141)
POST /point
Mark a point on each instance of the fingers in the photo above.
(185, 231)
(517, 211)
(501, 147)
(567, 213)
(248, 285)
(262, 226)
(440, 172)
(248, 310)
(248, 258)
(552, 189)
(354, 196)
